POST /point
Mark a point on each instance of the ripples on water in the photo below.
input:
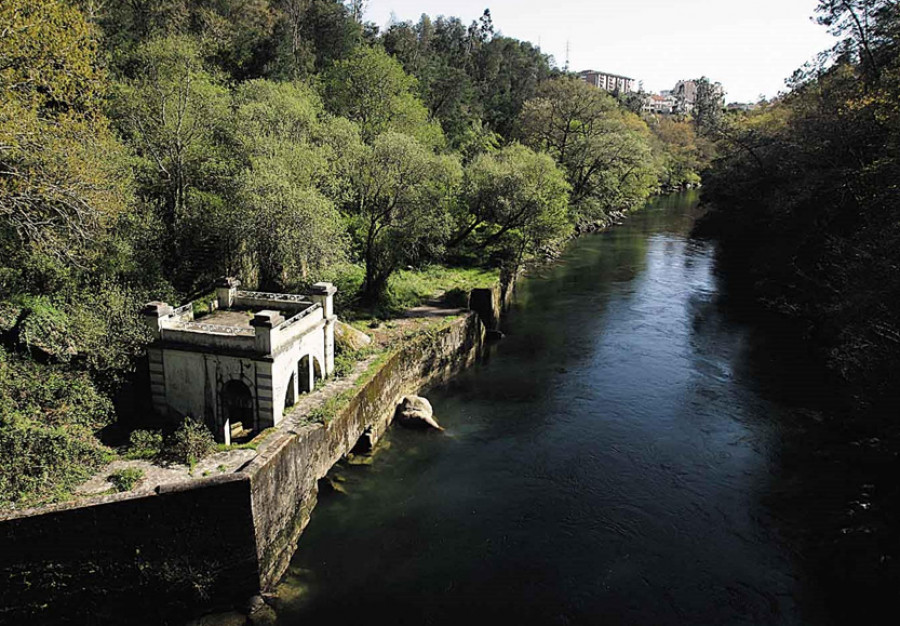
(607, 465)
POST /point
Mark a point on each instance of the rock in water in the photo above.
(345, 336)
(416, 412)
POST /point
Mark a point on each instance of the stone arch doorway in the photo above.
(237, 409)
(309, 370)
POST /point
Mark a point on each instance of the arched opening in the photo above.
(290, 395)
(305, 373)
(237, 410)
(318, 370)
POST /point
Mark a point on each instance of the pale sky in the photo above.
(750, 47)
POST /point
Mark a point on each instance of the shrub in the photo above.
(49, 415)
(145, 444)
(126, 479)
(191, 442)
(344, 362)
(39, 465)
(457, 297)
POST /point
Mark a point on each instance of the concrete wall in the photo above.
(267, 378)
(149, 557)
(490, 303)
(285, 476)
(211, 541)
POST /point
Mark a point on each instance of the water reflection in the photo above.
(607, 466)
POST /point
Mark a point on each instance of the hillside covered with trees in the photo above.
(147, 148)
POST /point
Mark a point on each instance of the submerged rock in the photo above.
(347, 337)
(416, 412)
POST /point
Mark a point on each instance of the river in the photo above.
(611, 462)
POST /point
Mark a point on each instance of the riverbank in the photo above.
(211, 539)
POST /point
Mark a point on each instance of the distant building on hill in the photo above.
(661, 104)
(608, 82)
(685, 93)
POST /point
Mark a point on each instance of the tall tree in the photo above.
(172, 113)
(709, 106)
(514, 200)
(401, 193)
(868, 30)
(371, 89)
(604, 150)
(60, 174)
(286, 225)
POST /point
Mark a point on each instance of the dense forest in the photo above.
(805, 201)
(148, 147)
(806, 196)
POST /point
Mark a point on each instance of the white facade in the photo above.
(608, 82)
(246, 362)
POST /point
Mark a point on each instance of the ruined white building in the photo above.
(239, 366)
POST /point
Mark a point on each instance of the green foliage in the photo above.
(190, 443)
(61, 178)
(806, 204)
(145, 444)
(681, 153)
(604, 150)
(515, 202)
(469, 78)
(170, 111)
(399, 206)
(371, 89)
(288, 227)
(49, 416)
(126, 479)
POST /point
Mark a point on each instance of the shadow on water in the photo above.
(615, 462)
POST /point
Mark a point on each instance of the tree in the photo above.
(868, 29)
(401, 193)
(604, 150)
(287, 226)
(709, 104)
(371, 89)
(172, 113)
(507, 73)
(513, 199)
(60, 175)
(312, 34)
(681, 152)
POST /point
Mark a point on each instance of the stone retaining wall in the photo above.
(210, 541)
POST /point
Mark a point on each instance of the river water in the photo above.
(610, 464)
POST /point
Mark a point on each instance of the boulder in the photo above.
(348, 338)
(416, 412)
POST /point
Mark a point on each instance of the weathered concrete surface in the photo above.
(148, 556)
(209, 541)
(490, 303)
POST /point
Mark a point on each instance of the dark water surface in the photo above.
(610, 464)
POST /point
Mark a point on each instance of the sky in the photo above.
(750, 47)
